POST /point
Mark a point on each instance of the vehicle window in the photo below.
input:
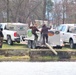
(11, 28)
(6, 28)
(59, 28)
(62, 28)
(73, 29)
(21, 28)
(0, 25)
(68, 30)
(18, 28)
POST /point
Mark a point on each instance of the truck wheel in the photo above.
(9, 41)
(72, 44)
(29, 43)
(33, 44)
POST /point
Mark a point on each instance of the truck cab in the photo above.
(13, 32)
(68, 34)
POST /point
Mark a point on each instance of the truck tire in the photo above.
(33, 44)
(9, 41)
(72, 45)
(29, 44)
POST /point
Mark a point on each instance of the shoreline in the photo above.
(36, 55)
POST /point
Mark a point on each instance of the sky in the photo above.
(56, 0)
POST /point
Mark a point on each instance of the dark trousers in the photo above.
(45, 37)
(36, 36)
(1, 42)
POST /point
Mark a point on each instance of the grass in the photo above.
(14, 58)
(48, 58)
(23, 46)
(66, 47)
(14, 46)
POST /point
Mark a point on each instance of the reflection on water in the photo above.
(37, 68)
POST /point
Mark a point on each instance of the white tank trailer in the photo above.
(54, 39)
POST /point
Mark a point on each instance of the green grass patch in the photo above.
(73, 57)
(45, 58)
(14, 58)
(14, 46)
(48, 58)
(23, 46)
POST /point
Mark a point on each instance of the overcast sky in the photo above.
(56, 0)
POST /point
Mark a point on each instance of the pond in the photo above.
(37, 68)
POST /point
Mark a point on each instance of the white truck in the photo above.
(13, 32)
(68, 34)
(53, 38)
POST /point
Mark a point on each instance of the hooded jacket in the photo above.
(45, 29)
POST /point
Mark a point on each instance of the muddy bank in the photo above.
(36, 55)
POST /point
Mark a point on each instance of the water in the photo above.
(37, 68)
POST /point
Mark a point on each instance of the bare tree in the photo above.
(64, 12)
(56, 13)
(23, 10)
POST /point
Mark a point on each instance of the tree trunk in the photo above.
(44, 10)
(7, 10)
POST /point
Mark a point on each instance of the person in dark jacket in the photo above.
(34, 30)
(44, 33)
(1, 34)
(1, 37)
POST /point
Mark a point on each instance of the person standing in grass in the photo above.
(1, 37)
(44, 33)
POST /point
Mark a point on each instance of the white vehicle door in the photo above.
(64, 34)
